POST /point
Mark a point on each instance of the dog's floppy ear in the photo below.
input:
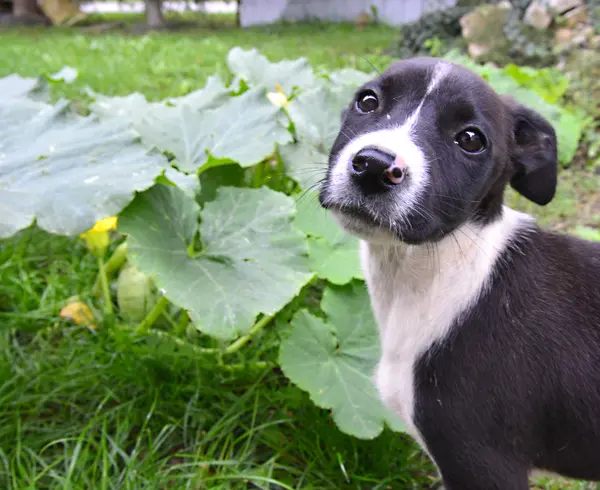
(534, 154)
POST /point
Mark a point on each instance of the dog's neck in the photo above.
(437, 279)
(419, 292)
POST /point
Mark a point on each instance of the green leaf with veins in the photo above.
(317, 114)
(256, 70)
(333, 253)
(213, 178)
(66, 171)
(252, 259)
(134, 107)
(204, 123)
(304, 163)
(212, 95)
(15, 86)
(188, 183)
(334, 361)
(349, 76)
(338, 263)
(245, 129)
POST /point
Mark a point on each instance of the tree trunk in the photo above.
(23, 8)
(154, 16)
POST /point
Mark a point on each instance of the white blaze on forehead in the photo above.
(398, 140)
(440, 72)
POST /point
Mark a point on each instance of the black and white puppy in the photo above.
(489, 325)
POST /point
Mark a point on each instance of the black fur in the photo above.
(519, 377)
(521, 146)
(516, 384)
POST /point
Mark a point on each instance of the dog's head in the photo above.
(428, 146)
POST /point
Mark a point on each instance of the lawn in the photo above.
(173, 64)
(98, 408)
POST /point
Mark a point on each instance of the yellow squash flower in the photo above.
(97, 238)
(78, 312)
(278, 98)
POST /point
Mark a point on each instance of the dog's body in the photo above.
(489, 325)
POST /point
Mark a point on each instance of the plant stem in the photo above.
(242, 341)
(178, 341)
(258, 175)
(169, 318)
(112, 265)
(184, 321)
(235, 346)
(190, 249)
(108, 306)
(244, 366)
(144, 327)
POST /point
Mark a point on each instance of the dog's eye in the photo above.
(367, 101)
(471, 141)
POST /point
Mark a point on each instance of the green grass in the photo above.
(82, 409)
(175, 63)
(100, 409)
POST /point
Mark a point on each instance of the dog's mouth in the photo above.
(360, 221)
(380, 227)
(353, 211)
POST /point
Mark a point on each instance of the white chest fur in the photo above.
(418, 292)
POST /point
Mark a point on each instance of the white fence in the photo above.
(112, 7)
(393, 12)
(257, 12)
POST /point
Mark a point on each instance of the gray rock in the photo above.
(483, 29)
(563, 36)
(537, 15)
(579, 15)
(561, 6)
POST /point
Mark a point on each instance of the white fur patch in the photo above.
(394, 140)
(439, 73)
(397, 140)
(417, 294)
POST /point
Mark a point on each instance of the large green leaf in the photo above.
(304, 163)
(334, 361)
(333, 253)
(135, 107)
(13, 86)
(317, 114)
(244, 129)
(252, 260)
(66, 171)
(188, 183)
(216, 177)
(131, 108)
(549, 83)
(349, 76)
(212, 95)
(256, 70)
(336, 262)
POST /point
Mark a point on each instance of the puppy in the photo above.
(489, 325)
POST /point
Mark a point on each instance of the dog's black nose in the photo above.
(375, 169)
